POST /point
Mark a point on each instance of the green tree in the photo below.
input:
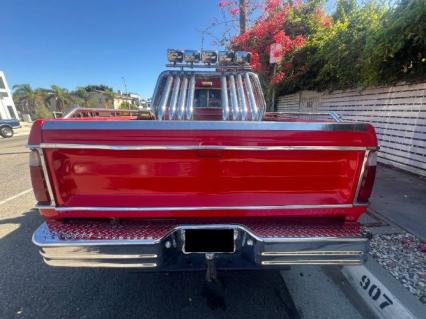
(27, 99)
(80, 97)
(127, 106)
(24, 97)
(61, 97)
(41, 111)
(397, 50)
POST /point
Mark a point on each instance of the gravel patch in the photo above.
(404, 256)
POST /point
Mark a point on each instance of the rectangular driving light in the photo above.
(226, 57)
(242, 57)
(174, 56)
(209, 57)
(191, 56)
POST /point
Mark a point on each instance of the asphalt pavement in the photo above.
(400, 197)
(31, 289)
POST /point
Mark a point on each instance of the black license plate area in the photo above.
(209, 241)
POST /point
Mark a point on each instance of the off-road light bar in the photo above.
(208, 57)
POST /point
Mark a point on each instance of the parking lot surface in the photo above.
(30, 289)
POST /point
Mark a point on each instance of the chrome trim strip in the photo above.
(94, 264)
(200, 147)
(361, 176)
(202, 125)
(46, 175)
(79, 109)
(312, 253)
(95, 255)
(224, 95)
(187, 208)
(312, 262)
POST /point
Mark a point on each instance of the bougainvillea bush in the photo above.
(273, 26)
(356, 45)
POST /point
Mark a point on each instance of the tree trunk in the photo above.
(243, 16)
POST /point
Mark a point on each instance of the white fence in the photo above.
(398, 113)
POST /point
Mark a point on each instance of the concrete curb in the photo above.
(386, 297)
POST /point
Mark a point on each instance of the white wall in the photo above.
(7, 100)
(398, 113)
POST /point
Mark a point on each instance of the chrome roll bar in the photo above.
(162, 108)
(241, 95)
(261, 102)
(174, 98)
(224, 96)
(182, 98)
(190, 98)
(234, 99)
(252, 100)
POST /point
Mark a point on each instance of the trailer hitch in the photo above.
(211, 272)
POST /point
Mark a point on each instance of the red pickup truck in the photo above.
(209, 178)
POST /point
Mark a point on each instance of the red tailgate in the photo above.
(204, 170)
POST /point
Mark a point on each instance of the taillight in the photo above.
(367, 179)
(37, 178)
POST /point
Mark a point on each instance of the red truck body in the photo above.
(123, 192)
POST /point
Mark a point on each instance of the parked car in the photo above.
(7, 126)
(210, 181)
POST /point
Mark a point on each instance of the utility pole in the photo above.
(125, 88)
(124, 84)
(243, 16)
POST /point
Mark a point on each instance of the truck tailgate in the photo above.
(203, 169)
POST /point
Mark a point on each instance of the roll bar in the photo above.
(241, 95)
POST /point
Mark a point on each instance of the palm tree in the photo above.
(30, 101)
(24, 97)
(61, 97)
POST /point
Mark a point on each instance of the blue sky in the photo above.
(78, 42)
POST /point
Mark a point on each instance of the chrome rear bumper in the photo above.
(157, 245)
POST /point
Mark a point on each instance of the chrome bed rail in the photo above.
(334, 116)
(79, 111)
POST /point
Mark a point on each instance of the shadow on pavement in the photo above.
(31, 289)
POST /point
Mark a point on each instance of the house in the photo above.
(7, 106)
(127, 100)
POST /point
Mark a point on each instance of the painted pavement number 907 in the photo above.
(375, 293)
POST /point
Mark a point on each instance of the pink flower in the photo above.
(234, 12)
(278, 77)
(299, 41)
(272, 5)
(223, 4)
